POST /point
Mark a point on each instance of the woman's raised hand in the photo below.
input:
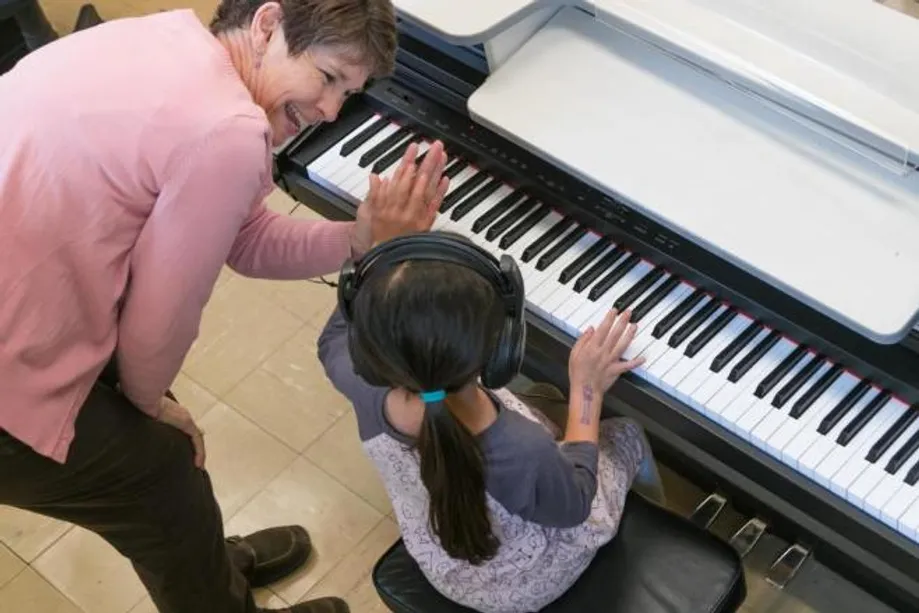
(405, 203)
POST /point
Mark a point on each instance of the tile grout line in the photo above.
(344, 559)
(57, 589)
(336, 479)
(242, 414)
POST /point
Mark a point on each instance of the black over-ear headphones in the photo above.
(505, 277)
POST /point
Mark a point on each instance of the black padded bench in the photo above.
(659, 562)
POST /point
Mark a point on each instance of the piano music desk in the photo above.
(469, 21)
(825, 225)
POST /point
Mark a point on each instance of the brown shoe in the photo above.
(270, 555)
(321, 605)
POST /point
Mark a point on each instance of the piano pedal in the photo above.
(745, 539)
(708, 510)
(787, 566)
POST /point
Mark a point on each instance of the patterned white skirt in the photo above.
(534, 564)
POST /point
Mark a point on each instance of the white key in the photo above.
(824, 443)
(898, 504)
(844, 464)
(745, 420)
(875, 474)
(581, 300)
(551, 283)
(707, 382)
(703, 358)
(908, 524)
(675, 355)
(644, 334)
(794, 438)
(343, 172)
(334, 152)
(719, 403)
(593, 312)
(566, 292)
(774, 420)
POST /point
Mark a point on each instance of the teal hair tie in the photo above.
(435, 396)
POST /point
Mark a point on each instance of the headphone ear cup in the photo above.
(507, 356)
(346, 290)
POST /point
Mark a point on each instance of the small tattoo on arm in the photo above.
(586, 410)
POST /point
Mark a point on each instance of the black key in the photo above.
(710, 331)
(584, 259)
(735, 346)
(359, 139)
(756, 354)
(540, 244)
(594, 272)
(523, 226)
(861, 420)
(511, 217)
(893, 433)
(604, 284)
(797, 382)
(778, 373)
(455, 167)
(381, 148)
(845, 405)
(692, 324)
(635, 292)
(475, 199)
(808, 398)
(462, 191)
(903, 454)
(394, 155)
(912, 477)
(489, 216)
(560, 248)
(663, 290)
(674, 316)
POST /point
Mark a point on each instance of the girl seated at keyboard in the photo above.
(499, 515)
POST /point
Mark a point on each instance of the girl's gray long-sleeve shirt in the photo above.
(527, 472)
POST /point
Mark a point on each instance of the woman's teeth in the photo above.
(294, 115)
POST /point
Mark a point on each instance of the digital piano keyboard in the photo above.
(798, 420)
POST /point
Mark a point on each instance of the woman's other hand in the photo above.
(178, 417)
(405, 203)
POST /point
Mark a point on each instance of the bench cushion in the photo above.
(659, 562)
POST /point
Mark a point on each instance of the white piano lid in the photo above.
(468, 21)
(852, 58)
(811, 217)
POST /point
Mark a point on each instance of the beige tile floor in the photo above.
(282, 447)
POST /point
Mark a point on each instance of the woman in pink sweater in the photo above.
(135, 158)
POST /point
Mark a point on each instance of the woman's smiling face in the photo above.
(301, 90)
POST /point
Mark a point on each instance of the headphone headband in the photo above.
(433, 247)
(503, 274)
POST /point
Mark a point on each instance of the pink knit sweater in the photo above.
(133, 165)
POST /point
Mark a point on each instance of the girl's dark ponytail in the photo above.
(452, 470)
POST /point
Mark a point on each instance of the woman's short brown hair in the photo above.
(367, 26)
